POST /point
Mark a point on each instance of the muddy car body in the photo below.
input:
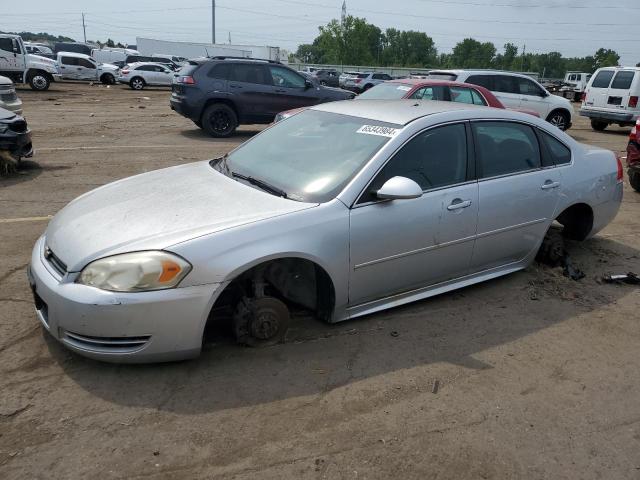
(345, 224)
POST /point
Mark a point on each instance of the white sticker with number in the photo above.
(404, 88)
(378, 130)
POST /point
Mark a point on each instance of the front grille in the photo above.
(18, 126)
(106, 344)
(57, 264)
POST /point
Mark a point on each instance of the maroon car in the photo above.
(633, 157)
(425, 89)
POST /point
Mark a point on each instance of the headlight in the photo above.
(135, 272)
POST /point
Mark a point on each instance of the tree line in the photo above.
(354, 41)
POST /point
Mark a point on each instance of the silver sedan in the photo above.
(345, 209)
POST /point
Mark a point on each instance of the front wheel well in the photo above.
(577, 221)
(298, 282)
(564, 111)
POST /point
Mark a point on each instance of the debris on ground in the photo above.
(569, 270)
(553, 253)
(394, 334)
(628, 278)
(436, 386)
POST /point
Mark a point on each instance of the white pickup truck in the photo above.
(78, 66)
(22, 67)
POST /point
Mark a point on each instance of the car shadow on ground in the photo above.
(27, 169)
(318, 358)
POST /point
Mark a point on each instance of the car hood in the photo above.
(156, 210)
(336, 93)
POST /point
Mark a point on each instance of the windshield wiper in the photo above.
(262, 184)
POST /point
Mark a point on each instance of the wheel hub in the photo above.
(265, 324)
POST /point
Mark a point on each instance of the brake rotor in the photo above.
(260, 322)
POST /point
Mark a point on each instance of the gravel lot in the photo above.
(537, 376)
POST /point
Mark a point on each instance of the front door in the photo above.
(400, 245)
(8, 58)
(517, 196)
(533, 97)
(291, 89)
(87, 69)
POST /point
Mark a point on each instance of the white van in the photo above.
(575, 85)
(111, 55)
(612, 97)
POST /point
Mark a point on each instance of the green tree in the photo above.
(605, 57)
(506, 60)
(471, 53)
(308, 53)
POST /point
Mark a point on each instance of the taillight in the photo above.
(620, 174)
(357, 80)
(187, 79)
(633, 102)
(633, 136)
(583, 97)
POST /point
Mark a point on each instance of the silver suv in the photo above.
(8, 98)
(363, 81)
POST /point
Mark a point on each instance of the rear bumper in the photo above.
(611, 117)
(142, 327)
(179, 105)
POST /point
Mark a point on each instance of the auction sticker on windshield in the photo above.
(404, 88)
(378, 130)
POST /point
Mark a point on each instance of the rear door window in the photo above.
(504, 148)
(485, 81)
(603, 79)
(623, 80)
(69, 61)
(461, 95)
(429, 93)
(505, 84)
(249, 74)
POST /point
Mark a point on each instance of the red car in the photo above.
(424, 89)
(633, 157)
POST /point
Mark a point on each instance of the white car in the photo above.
(38, 49)
(516, 91)
(142, 74)
(8, 98)
(78, 66)
(612, 97)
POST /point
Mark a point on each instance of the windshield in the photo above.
(310, 156)
(386, 91)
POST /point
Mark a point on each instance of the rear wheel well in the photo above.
(298, 282)
(577, 221)
(213, 101)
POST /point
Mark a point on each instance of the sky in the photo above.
(574, 28)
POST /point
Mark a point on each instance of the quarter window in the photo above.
(429, 93)
(283, 77)
(603, 79)
(433, 159)
(477, 98)
(503, 148)
(559, 153)
(623, 80)
(462, 95)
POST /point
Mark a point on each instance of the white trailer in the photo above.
(110, 55)
(149, 47)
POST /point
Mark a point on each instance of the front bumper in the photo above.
(607, 116)
(163, 325)
(17, 143)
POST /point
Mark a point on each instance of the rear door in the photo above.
(518, 195)
(507, 90)
(619, 96)
(598, 94)
(251, 89)
(164, 75)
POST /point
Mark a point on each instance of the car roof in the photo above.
(418, 82)
(399, 112)
(139, 64)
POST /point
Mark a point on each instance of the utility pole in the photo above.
(229, 37)
(524, 50)
(84, 29)
(213, 21)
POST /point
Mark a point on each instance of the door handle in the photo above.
(458, 203)
(280, 91)
(525, 99)
(235, 86)
(549, 184)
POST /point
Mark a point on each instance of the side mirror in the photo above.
(399, 188)
(308, 84)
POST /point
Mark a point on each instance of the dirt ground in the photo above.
(529, 376)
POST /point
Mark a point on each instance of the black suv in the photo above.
(220, 93)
